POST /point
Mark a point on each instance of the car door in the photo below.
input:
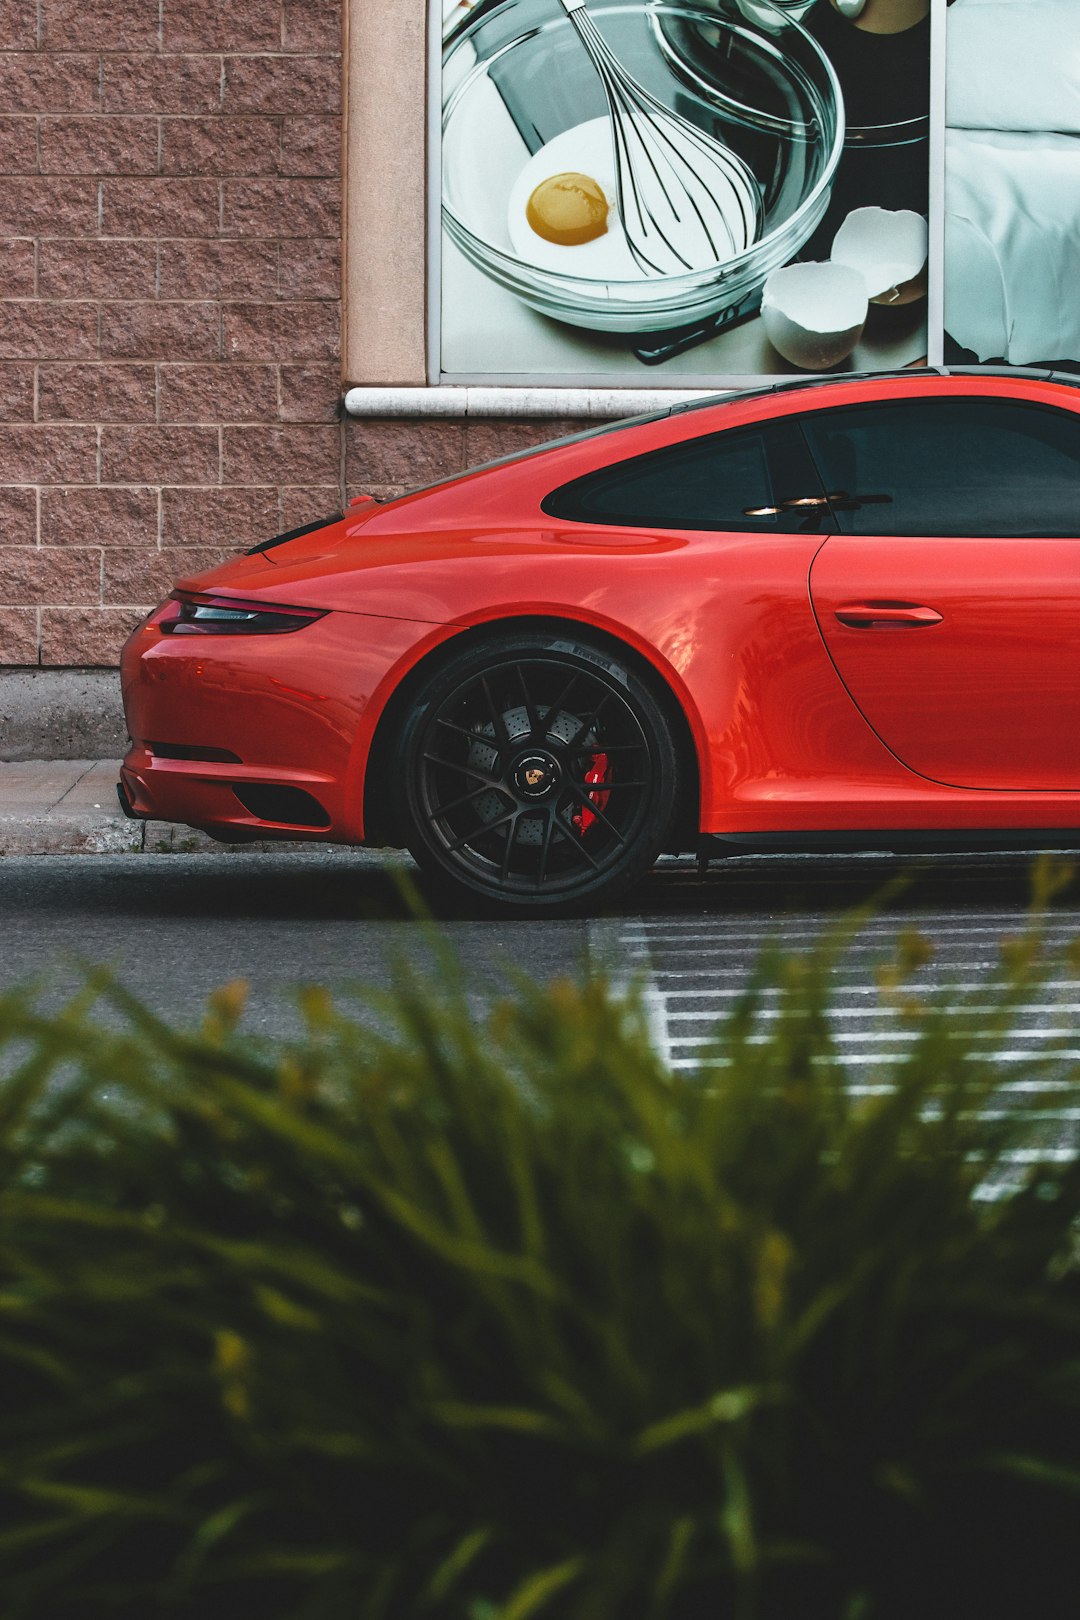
(950, 599)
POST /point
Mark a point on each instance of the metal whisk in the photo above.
(685, 201)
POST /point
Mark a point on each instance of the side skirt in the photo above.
(716, 846)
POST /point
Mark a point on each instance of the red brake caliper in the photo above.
(598, 771)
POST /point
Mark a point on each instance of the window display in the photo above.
(1012, 182)
(651, 192)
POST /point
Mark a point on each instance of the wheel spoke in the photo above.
(484, 827)
(497, 718)
(530, 707)
(549, 827)
(464, 731)
(604, 787)
(586, 725)
(441, 810)
(576, 844)
(511, 834)
(463, 770)
(560, 703)
(597, 812)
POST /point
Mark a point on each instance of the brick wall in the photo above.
(386, 456)
(170, 228)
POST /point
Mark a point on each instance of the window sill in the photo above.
(603, 403)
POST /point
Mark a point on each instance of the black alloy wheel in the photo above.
(536, 773)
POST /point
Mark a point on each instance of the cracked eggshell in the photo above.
(888, 247)
(814, 313)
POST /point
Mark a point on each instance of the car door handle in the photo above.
(869, 615)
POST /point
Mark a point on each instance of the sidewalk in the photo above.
(69, 807)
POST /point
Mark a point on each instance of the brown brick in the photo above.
(306, 504)
(95, 393)
(218, 269)
(312, 25)
(161, 331)
(485, 441)
(40, 331)
(282, 331)
(311, 269)
(162, 84)
(311, 146)
(18, 24)
(310, 393)
(159, 455)
(222, 25)
(17, 266)
(109, 517)
(106, 25)
(218, 393)
(16, 394)
(282, 84)
(18, 146)
(99, 145)
(51, 84)
(97, 269)
(18, 516)
(39, 575)
(225, 516)
(211, 146)
(281, 207)
(144, 575)
(48, 455)
(381, 492)
(295, 455)
(48, 207)
(18, 636)
(398, 452)
(160, 207)
(86, 636)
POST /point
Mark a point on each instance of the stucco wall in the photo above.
(170, 232)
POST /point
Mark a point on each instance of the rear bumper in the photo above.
(286, 721)
(203, 796)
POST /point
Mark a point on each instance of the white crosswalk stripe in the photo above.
(696, 967)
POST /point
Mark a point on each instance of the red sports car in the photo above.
(834, 613)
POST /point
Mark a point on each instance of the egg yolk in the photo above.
(568, 209)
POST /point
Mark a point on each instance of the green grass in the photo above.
(487, 1317)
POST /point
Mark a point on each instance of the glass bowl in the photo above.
(519, 76)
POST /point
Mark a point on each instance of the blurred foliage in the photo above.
(488, 1315)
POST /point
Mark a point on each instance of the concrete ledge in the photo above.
(605, 404)
(61, 714)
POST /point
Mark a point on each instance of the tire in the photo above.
(536, 774)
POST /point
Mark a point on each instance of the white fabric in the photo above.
(1014, 64)
(1012, 243)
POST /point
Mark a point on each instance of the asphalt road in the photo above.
(173, 927)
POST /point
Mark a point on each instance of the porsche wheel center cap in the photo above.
(536, 774)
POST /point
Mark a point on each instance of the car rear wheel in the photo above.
(536, 773)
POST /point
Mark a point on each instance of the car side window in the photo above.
(757, 479)
(953, 466)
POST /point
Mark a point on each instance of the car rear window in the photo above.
(744, 479)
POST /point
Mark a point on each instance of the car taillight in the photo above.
(187, 613)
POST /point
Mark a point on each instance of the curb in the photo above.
(108, 836)
(69, 807)
(113, 835)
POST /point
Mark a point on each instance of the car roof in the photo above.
(792, 384)
(733, 396)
